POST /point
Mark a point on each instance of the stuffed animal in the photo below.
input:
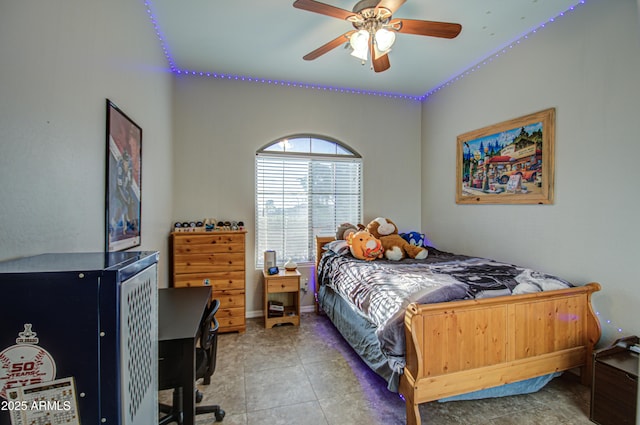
(345, 229)
(395, 247)
(364, 246)
(414, 238)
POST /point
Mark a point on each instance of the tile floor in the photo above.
(308, 375)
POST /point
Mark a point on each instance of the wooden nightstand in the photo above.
(282, 289)
(615, 381)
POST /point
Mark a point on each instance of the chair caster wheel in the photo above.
(199, 396)
(220, 416)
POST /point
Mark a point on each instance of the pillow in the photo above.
(338, 247)
(530, 281)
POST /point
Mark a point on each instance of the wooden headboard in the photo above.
(320, 242)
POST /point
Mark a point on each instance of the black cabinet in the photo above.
(89, 318)
(614, 389)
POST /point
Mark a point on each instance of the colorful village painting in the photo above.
(509, 162)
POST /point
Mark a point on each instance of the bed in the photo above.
(452, 325)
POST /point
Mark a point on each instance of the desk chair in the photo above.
(205, 366)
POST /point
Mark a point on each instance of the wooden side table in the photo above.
(282, 289)
(615, 381)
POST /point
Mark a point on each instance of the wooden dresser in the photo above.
(215, 259)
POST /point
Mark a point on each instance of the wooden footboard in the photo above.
(458, 347)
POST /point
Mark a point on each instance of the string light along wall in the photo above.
(604, 321)
(174, 69)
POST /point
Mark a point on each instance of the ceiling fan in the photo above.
(375, 30)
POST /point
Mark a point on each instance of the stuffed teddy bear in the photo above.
(395, 247)
(345, 229)
(364, 246)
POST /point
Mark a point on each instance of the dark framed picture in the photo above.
(508, 163)
(123, 180)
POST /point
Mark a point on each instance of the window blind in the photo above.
(298, 198)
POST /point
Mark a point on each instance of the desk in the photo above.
(180, 311)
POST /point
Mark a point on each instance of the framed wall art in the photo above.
(123, 180)
(507, 163)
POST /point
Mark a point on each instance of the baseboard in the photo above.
(308, 309)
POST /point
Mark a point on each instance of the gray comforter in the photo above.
(381, 290)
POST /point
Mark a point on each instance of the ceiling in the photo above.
(266, 39)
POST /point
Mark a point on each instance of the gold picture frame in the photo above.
(508, 163)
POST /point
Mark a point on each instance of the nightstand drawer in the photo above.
(286, 284)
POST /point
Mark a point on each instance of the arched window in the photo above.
(306, 185)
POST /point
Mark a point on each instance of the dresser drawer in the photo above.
(231, 319)
(229, 299)
(217, 280)
(231, 322)
(199, 263)
(182, 249)
(187, 243)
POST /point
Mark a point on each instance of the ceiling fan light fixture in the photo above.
(363, 55)
(360, 43)
(360, 40)
(374, 29)
(384, 40)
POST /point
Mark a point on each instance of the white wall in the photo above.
(60, 60)
(220, 124)
(587, 66)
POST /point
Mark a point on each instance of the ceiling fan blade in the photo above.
(328, 46)
(380, 62)
(430, 28)
(322, 8)
(392, 5)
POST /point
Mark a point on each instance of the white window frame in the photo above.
(333, 166)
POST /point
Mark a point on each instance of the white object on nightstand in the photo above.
(290, 265)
